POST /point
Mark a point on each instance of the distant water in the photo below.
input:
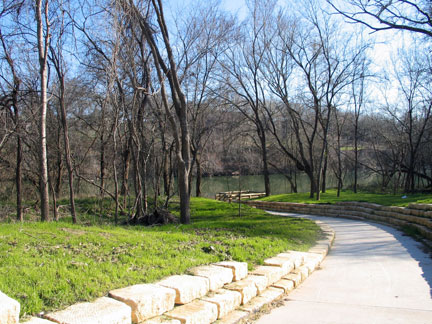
(279, 184)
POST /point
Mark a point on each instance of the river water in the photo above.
(279, 184)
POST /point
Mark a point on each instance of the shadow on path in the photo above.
(415, 249)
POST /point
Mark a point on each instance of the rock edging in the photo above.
(418, 216)
(223, 293)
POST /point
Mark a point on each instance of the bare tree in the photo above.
(412, 115)
(204, 33)
(179, 122)
(59, 64)
(414, 16)
(43, 41)
(358, 94)
(242, 74)
(339, 124)
(9, 101)
(317, 56)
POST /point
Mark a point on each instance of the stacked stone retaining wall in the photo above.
(418, 216)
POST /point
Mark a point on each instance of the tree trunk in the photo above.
(126, 167)
(102, 164)
(198, 177)
(156, 182)
(166, 173)
(144, 187)
(138, 206)
(263, 142)
(265, 170)
(59, 176)
(43, 42)
(67, 153)
(54, 196)
(339, 177)
(312, 184)
(324, 172)
(356, 164)
(18, 179)
(183, 186)
(293, 181)
(114, 164)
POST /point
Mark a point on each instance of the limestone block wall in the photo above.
(418, 216)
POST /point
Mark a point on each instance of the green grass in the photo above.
(330, 197)
(47, 266)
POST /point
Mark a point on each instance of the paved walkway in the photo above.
(373, 275)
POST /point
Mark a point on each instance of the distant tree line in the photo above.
(128, 95)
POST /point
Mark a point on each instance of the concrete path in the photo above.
(373, 274)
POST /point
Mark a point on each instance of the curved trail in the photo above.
(373, 274)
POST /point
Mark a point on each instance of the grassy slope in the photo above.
(330, 198)
(47, 266)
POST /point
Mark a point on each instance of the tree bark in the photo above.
(54, 203)
(265, 163)
(198, 177)
(126, 167)
(356, 161)
(312, 185)
(324, 172)
(102, 162)
(59, 175)
(18, 178)
(43, 41)
(166, 172)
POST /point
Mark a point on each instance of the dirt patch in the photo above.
(73, 231)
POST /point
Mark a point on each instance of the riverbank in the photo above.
(330, 197)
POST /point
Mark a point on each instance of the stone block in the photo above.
(146, 300)
(261, 282)
(187, 287)
(233, 317)
(196, 312)
(265, 298)
(240, 269)
(287, 264)
(217, 276)
(295, 277)
(285, 284)
(246, 288)
(102, 311)
(9, 310)
(225, 300)
(161, 320)
(303, 271)
(312, 262)
(37, 320)
(420, 206)
(297, 258)
(323, 243)
(315, 256)
(272, 274)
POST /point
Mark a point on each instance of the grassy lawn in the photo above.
(47, 266)
(330, 197)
